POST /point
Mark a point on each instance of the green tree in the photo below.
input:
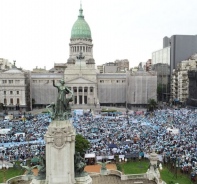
(152, 104)
(81, 144)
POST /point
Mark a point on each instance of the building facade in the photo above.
(180, 80)
(141, 86)
(181, 48)
(114, 85)
(161, 65)
(13, 89)
(5, 64)
(192, 97)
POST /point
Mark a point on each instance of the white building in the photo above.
(180, 80)
(90, 87)
(13, 88)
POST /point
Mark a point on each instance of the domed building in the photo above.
(92, 89)
(80, 74)
(81, 40)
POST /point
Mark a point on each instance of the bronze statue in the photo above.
(103, 165)
(79, 165)
(41, 169)
(28, 170)
(61, 109)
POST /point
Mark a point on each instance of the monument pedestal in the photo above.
(104, 172)
(83, 180)
(60, 149)
(35, 181)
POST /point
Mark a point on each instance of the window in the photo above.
(10, 81)
(117, 81)
(18, 101)
(11, 92)
(80, 89)
(17, 92)
(91, 89)
(4, 81)
(85, 89)
(4, 92)
(11, 101)
(101, 81)
(5, 101)
(17, 81)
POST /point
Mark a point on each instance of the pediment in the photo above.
(80, 80)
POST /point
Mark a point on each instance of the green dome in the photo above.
(81, 28)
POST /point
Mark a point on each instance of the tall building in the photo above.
(192, 96)
(5, 64)
(161, 64)
(149, 65)
(123, 65)
(110, 67)
(181, 48)
(180, 85)
(118, 66)
(100, 68)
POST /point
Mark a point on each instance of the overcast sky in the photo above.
(37, 32)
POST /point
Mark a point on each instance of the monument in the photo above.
(63, 166)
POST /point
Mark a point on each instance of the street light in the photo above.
(26, 134)
(94, 102)
(127, 112)
(3, 167)
(5, 108)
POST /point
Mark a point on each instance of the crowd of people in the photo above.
(171, 133)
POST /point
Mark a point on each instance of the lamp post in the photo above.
(25, 131)
(5, 108)
(127, 113)
(94, 102)
(24, 122)
(3, 167)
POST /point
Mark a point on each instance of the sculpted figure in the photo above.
(28, 170)
(79, 165)
(61, 109)
(103, 165)
(41, 169)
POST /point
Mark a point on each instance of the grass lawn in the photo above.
(10, 173)
(168, 176)
(137, 167)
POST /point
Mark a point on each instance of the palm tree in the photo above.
(152, 104)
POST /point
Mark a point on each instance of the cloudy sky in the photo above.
(37, 32)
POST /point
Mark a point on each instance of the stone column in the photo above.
(60, 149)
(88, 89)
(83, 95)
(77, 95)
(95, 95)
(72, 89)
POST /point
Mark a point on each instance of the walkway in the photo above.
(96, 168)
